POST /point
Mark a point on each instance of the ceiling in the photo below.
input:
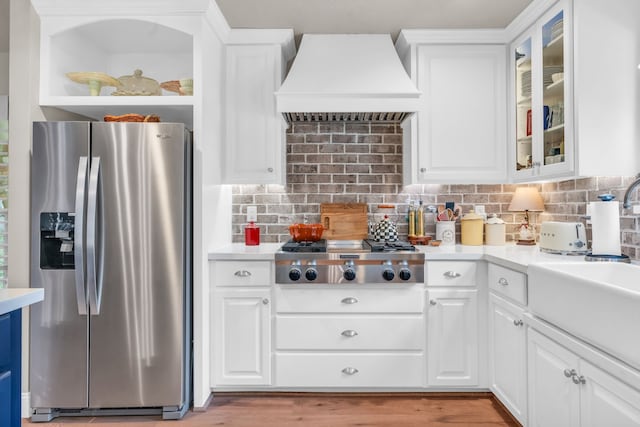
(351, 16)
(369, 16)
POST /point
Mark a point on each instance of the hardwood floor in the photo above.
(323, 410)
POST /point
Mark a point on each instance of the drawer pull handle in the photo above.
(518, 322)
(349, 333)
(569, 373)
(349, 300)
(265, 301)
(502, 281)
(242, 273)
(578, 379)
(433, 302)
(451, 274)
(350, 371)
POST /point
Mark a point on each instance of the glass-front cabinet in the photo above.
(542, 143)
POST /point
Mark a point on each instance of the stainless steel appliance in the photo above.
(111, 246)
(349, 262)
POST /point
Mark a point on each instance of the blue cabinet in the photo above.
(10, 365)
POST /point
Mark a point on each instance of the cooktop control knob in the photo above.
(388, 273)
(349, 274)
(311, 274)
(295, 274)
(405, 274)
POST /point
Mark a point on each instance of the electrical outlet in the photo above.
(252, 213)
(636, 209)
(479, 209)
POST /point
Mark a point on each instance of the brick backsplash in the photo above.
(362, 162)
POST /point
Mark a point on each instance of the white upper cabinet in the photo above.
(573, 109)
(459, 134)
(159, 40)
(254, 146)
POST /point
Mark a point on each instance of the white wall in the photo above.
(4, 73)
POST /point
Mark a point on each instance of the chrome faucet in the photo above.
(626, 203)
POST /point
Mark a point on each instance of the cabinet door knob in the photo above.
(433, 302)
(349, 333)
(269, 170)
(569, 373)
(349, 300)
(350, 371)
(451, 274)
(578, 379)
(518, 322)
(242, 273)
(502, 281)
(265, 301)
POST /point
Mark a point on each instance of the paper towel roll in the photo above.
(605, 228)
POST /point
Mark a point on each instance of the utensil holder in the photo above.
(446, 232)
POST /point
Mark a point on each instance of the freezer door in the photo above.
(136, 351)
(59, 332)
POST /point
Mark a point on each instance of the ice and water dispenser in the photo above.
(56, 240)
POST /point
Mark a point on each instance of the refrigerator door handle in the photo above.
(95, 239)
(78, 239)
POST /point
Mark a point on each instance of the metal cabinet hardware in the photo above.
(569, 373)
(502, 281)
(349, 300)
(518, 322)
(451, 274)
(578, 379)
(349, 333)
(423, 170)
(350, 371)
(433, 302)
(265, 301)
(269, 170)
(242, 273)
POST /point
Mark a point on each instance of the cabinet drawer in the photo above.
(349, 370)
(349, 300)
(509, 283)
(451, 273)
(241, 273)
(350, 333)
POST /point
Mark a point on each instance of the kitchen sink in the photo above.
(597, 302)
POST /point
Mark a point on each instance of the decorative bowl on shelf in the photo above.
(186, 86)
(181, 87)
(136, 85)
(95, 80)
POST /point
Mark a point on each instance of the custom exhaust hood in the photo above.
(347, 77)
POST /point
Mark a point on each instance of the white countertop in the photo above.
(510, 255)
(15, 298)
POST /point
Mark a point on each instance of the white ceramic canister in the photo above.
(446, 232)
(495, 231)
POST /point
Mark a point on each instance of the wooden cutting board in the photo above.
(344, 221)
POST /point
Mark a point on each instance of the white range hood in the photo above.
(347, 77)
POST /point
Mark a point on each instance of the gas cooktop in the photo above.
(367, 245)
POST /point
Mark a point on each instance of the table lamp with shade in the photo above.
(527, 199)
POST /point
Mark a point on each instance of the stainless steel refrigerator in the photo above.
(111, 246)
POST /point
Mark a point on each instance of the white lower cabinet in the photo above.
(508, 356)
(452, 337)
(368, 337)
(566, 390)
(242, 331)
